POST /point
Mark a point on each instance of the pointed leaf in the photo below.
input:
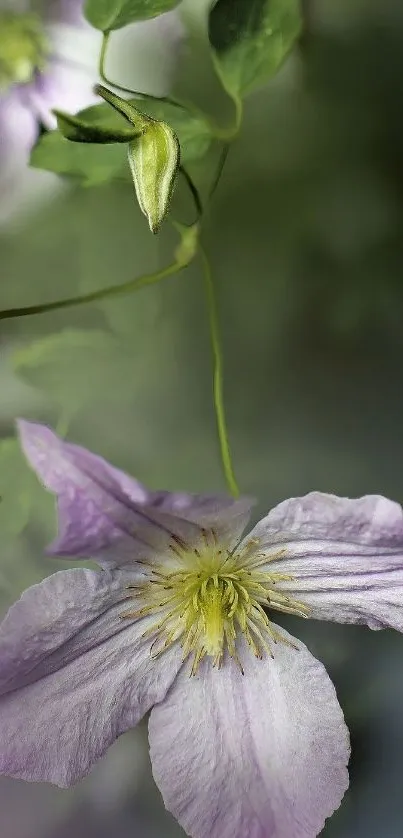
(102, 115)
(250, 39)
(193, 132)
(113, 14)
(76, 130)
(154, 162)
(94, 164)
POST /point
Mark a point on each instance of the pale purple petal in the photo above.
(226, 516)
(102, 512)
(262, 755)
(18, 132)
(108, 515)
(345, 556)
(68, 80)
(67, 88)
(67, 83)
(73, 675)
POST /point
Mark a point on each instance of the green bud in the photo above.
(153, 157)
(154, 162)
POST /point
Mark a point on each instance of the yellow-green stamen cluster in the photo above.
(23, 48)
(211, 599)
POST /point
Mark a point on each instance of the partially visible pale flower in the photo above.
(247, 738)
(36, 75)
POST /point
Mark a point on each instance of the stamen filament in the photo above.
(209, 602)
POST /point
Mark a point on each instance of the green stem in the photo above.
(228, 135)
(218, 379)
(194, 192)
(102, 58)
(221, 163)
(238, 114)
(93, 296)
(101, 69)
(224, 134)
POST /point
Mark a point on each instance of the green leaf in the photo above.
(16, 486)
(250, 39)
(193, 132)
(94, 164)
(78, 131)
(113, 14)
(70, 366)
(188, 245)
(154, 162)
(103, 116)
(98, 163)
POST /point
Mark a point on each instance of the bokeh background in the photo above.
(305, 235)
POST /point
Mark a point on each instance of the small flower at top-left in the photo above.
(47, 60)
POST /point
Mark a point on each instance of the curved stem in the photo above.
(220, 133)
(227, 135)
(238, 115)
(221, 163)
(194, 191)
(102, 58)
(218, 379)
(123, 89)
(93, 296)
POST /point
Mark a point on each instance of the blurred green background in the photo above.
(305, 239)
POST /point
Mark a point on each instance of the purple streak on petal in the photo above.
(226, 516)
(106, 514)
(346, 556)
(52, 615)
(73, 676)
(101, 510)
(262, 755)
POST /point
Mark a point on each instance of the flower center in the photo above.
(23, 48)
(213, 599)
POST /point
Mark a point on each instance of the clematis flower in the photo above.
(51, 61)
(36, 73)
(247, 738)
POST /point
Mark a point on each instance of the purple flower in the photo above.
(37, 74)
(247, 738)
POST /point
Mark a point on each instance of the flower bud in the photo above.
(154, 162)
